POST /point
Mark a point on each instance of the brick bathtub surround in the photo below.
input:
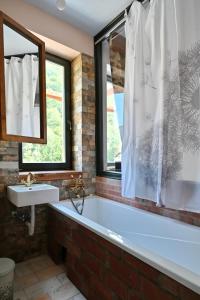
(111, 189)
(103, 271)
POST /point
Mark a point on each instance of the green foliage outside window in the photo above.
(54, 150)
(113, 133)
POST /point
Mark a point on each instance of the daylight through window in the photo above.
(54, 152)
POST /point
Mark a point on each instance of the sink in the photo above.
(21, 195)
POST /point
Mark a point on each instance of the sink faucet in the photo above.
(30, 179)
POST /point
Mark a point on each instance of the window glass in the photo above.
(113, 67)
(54, 151)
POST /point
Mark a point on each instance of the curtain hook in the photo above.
(125, 13)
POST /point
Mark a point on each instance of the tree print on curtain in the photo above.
(180, 126)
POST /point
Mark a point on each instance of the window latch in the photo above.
(70, 125)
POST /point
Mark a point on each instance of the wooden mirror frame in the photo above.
(4, 19)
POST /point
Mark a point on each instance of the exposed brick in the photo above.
(125, 273)
(75, 278)
(169, 284)
(152, 291)
(187, 294)
(148, 271)
(87, 232)
(135, 263)
(73, 248)
(84, 275)
(92, 263)
(93, 247)
(133, 295)
(83, 118)
(111, 248)
(71, 260)
(122, 277)
(116, 285)
(98, 291)
(83, 271)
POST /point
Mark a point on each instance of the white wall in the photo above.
(44, 24)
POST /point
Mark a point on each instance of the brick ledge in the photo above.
(51, 175)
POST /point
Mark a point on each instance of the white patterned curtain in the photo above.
(21, 82)
(161, 139)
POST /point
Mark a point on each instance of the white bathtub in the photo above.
(168, 245)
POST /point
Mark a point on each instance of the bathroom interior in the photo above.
(99, 150)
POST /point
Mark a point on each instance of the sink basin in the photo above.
(21, 195)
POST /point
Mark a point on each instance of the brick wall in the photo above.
(83, 108)
(14, 239)
(111, 189)
(103, 271)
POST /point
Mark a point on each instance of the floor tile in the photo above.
(62, 278)
(40, 263)
(20, 295)
(49, 272)
(43, 297)
(78, 297)
(65, 292)
(22, 269)
(39, 258)
(41, 288)
(23, 282)
(41, 279)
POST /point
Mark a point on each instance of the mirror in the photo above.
(23, 101)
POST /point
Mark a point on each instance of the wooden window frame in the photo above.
(6, 20)
(99, 98)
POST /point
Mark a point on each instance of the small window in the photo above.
(110, 68)
(56, 154)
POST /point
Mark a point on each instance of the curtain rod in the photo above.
(106, 35)
(19, 60)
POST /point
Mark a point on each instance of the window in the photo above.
(55, 155)
(110, 67)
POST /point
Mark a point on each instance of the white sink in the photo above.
(21, 195)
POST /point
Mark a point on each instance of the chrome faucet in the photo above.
(30, 179)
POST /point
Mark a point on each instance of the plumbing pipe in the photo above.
(31, 224)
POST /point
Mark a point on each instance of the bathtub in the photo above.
(170, 246)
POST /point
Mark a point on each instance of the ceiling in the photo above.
(88, 15)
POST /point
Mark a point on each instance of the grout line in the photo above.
(71, 298)
(48, 291)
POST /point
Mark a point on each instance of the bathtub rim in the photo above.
(180, 274)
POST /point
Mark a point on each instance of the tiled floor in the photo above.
(41, 279)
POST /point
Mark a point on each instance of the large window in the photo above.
(110, 67)
(56, 153)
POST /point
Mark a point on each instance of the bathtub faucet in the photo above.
(77, 189)
(77, 186)
(78, 204)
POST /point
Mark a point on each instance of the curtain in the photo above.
(161, 138)
(21, 84)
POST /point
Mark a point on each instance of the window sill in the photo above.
(51, 175)
(109, 174)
